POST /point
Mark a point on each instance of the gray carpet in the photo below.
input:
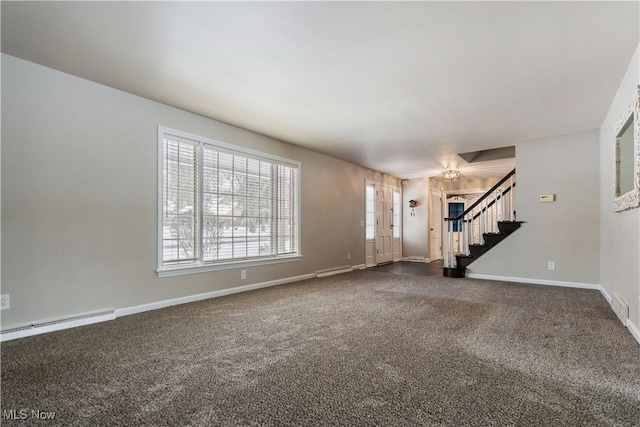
(363, 348)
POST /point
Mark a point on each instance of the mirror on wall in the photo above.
(627, 158)
(624, 158)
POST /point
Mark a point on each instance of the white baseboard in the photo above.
(415, 259)
(333, 271)
(43, 327)
(538, 282)
(629, 324)
(605, 294)
(634, 330)
(207, 295)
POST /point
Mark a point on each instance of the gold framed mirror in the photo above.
(626, 145)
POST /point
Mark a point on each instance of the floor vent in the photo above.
(620, 307)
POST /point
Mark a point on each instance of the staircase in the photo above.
(483, 225)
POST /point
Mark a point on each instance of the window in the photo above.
(396, 214)
(370, 211)
(455, 210)
(222, 205)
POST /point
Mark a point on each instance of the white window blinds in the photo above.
(223, 204)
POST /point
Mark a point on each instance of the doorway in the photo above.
(382, 224)
(435, 225)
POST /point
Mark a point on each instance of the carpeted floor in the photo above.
(363, 348)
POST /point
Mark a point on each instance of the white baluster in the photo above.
(511, 198)
(445, 241)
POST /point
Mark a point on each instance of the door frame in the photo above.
(435, 228)
(371, 258)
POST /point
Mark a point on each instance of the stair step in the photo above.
(492, 239)
(508, 227)
(477, 250)
(464, 260)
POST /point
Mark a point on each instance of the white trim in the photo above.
(57, 324)
(207, 295)
(31, 329)
(634, 330)
(605, 294)
(340, 270)
(159, 178)
(415, 259)
(200, 141)
(629, 324)
(197, 268)
(537, 281)
(333, 271)
(163, 130)
(393, 188)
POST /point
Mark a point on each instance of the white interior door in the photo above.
(435, 226)
(384, 230)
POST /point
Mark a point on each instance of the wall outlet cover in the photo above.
(5, 302)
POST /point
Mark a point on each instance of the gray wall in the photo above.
(619, 232)
(79, 171)
(565, 231)
(414, 228)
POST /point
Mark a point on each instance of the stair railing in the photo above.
(468, 228)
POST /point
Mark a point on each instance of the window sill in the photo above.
(193, 269)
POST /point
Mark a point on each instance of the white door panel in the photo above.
(435, 226)
(384, 229)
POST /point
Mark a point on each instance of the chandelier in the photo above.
(451, 175)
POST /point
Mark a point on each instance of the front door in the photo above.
(384, 229)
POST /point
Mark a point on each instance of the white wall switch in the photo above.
(544, 198)
(551, 265)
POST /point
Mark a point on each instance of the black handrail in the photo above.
(491, 203)
(477, 202)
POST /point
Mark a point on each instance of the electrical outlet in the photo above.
(5, 302)
(349, 255)
(243, 274)
(551, 265)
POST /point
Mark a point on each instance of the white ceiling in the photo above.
(397, 87)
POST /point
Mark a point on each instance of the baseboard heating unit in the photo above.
(56, 325)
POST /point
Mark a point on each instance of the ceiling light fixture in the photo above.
(451, 175)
